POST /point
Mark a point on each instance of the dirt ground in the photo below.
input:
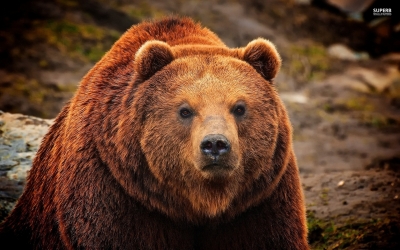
(345, 113)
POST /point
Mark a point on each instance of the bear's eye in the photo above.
(239, 110)
(185, 113)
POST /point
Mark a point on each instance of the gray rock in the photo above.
(20, 137)
(366, 79)
(340, 51)
(19, 172)
(7, 164)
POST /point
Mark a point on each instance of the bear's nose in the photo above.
(215, 145)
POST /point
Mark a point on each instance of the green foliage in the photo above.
(80, 41)
(324, 196)
(379, 121)
(359, 104)
(307, 63)
(328, 235)
(141, 10)
(35, 93)
(367, 113)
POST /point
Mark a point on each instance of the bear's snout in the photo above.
(216, 153)
(214, 146)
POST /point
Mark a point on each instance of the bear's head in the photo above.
(203, 131)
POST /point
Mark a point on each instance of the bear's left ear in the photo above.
(151, 57)
(263, 56)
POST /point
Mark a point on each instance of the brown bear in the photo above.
(172, 141)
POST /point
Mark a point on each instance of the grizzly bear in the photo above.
(172, 141)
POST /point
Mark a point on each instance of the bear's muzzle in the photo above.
(215, 150)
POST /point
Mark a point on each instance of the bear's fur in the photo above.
(172, 141)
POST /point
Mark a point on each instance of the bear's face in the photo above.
(209, 123)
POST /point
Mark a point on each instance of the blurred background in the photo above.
(46, 46)
(340, 82)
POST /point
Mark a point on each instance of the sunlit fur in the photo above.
(121, 169)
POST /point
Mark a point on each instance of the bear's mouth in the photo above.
(217, 170)
(216, 167)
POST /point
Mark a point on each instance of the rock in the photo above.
(303, 1)
(391, 57)
(351, 5)
(342, 52)
(20, 137)
(378, 80)
(19, 173)
(294, 97)
(366, 79)
(7, 164)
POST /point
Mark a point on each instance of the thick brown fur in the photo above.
(121, 168)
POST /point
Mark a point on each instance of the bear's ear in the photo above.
(263, 56)
(151, 57)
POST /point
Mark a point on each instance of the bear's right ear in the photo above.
(151, 57)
